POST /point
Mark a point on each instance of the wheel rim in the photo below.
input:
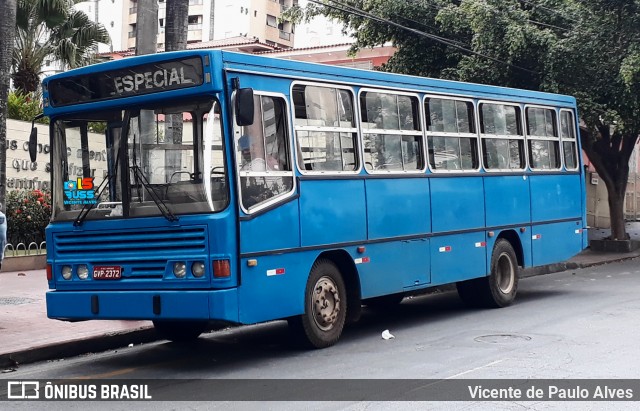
(505, 273)
(325, 303)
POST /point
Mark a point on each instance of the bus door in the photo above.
(268, 209)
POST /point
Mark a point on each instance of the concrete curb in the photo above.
(74, 348)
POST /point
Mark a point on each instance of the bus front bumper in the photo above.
(143, 305)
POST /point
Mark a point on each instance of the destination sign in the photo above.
(130, 81)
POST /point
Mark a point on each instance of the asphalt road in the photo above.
(580, 324)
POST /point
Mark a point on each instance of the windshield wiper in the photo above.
(162, 206)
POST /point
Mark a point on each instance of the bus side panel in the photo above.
(274, 288)
(398, 207)
(552, 243)
(394, 267)
(332, 211)
(273, 230)
(458, 257)
(555, 197)
(457, 204)
(507, 200)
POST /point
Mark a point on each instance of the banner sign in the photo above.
(130, 81)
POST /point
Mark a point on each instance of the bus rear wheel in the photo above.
(500, 287)
(180, 330)
(325, 307)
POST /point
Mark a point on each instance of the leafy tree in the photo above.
(25, 106)
(589, 49)
(52, 29)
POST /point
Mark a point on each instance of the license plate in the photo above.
(107, 272)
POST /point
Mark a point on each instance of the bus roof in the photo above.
(91, 80)
(361, 77)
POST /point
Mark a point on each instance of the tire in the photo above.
(180, 330)
(385, 301)
(499, 288)
(325, 307)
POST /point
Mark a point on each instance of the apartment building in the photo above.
(218, 19)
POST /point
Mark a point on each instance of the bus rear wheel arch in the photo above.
(499, 288)
(325, 306)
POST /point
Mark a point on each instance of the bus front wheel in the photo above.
(499, 288)
(180, 331)
(325, 306)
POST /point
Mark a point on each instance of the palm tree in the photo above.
(52, 29)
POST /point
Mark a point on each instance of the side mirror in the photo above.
(244, 106)
(33, 144)
(33, 138)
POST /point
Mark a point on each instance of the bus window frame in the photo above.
(355, 129)
(574, 140)
(557, 138)
(394, 132)
(476, 135)
(235, 131)
(502, 136)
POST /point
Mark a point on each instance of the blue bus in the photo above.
(198, 187)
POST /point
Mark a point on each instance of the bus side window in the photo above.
(325, 128)
(544, 141)
(502, 137)
(451, 134)
(262, 153)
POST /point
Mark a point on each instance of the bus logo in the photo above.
(23, 390)
(79, 192)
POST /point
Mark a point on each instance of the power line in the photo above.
(358, 12)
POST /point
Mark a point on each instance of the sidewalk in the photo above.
(27, 335)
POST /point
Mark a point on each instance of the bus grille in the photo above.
(144, 244)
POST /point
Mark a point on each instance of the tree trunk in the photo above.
(616, 214)
(610, 154)
(7, 33)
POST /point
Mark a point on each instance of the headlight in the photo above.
(66, 272)
(197, 269)
(83, 272)
(180, 269)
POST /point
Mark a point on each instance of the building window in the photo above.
(272, 21)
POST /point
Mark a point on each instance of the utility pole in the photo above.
(147, 27)
(7, 33)
(146, 43)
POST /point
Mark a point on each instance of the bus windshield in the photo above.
(171, 163)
